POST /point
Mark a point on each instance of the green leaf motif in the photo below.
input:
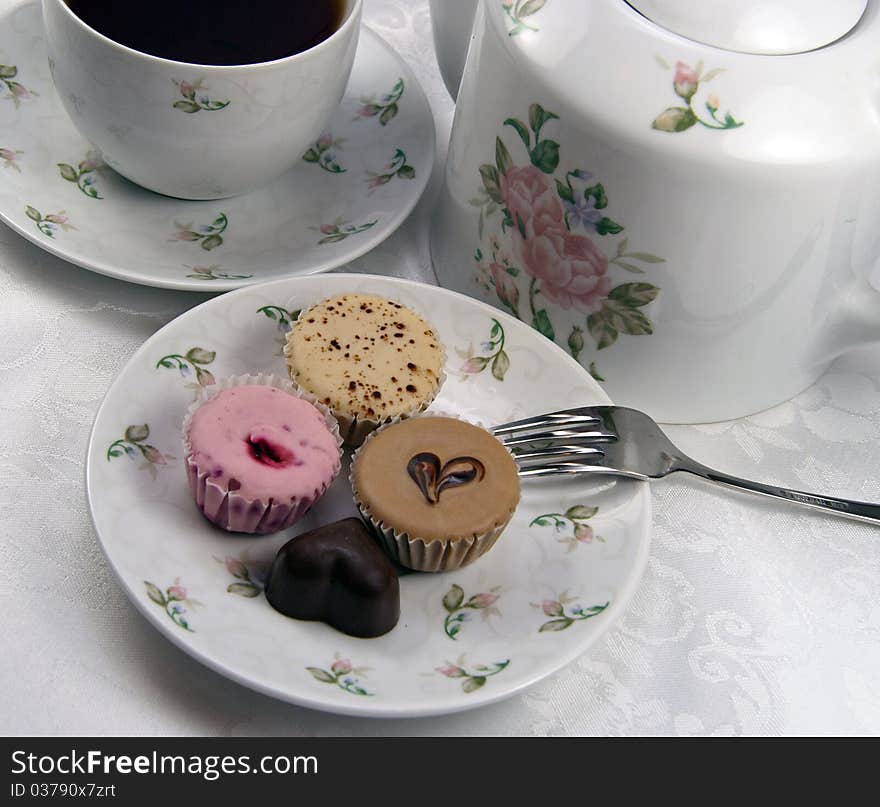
(8, 71)
(628, 320)
(137, 434)
(545, 156)
(581, 511)
(530, 7)
(68, 172)
(453, 598)
(243, 589)
(541, 322)
(647, 257)
(491, 182)
(311, 156)
(520, 225)
(500, 365)
(538, 116)
(187, 106)
(601, 329)
(388, 114)
(521, 130)
(474, 683)
(597, 192)
(565, 193)
(32, 213)
(556, 625)
(407, 172)
(606, 226)
(211, 242)
(634, 295)
(674, 119)
(502, 157)
(154, 593)
(199, 355)
(541, 521)
(321, 675)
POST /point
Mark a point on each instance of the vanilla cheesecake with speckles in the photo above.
(368, 358)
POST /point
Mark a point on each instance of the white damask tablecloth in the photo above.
(752, 618)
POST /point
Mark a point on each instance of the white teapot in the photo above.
(685, 195)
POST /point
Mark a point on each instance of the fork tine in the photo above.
(589, 434)
(585, 415)
(576, 468)
(565, 468)
(559, 453)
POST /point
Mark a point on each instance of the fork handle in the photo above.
(860, 511)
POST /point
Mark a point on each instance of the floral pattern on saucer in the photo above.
(343, 675)
(15, 90)
(174, 600)
(464, 638)
(134, 442)
(472, 677)
(340, 189)
(195, 360)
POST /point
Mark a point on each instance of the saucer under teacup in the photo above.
(352, 189)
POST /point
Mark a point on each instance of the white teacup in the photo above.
(196, 131)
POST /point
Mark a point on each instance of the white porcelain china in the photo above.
(196, 131)
(698, 226)
(557, 578)
(350, 190)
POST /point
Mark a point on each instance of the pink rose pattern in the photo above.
(546, 253)
(194, 97)
(83, 173)
(686, 82)
(472, 677)
(492, 355)
(15, 91)
(134, 445)
(48, 225)
(458, 608)
(564, 612)
(173, 600)
(575, 519)
(385, 108)
(342, 674)
(250, 574)
(194, 361)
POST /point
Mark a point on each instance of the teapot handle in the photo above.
(453, 22)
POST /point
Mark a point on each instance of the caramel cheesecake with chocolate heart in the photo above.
(438, 490)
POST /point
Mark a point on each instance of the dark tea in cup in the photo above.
(214, 32)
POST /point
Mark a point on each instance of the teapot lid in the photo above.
(756, 26)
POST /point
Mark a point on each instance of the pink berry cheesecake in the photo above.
(258, 456)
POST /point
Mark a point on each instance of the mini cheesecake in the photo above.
(438, 490)
(367, 358)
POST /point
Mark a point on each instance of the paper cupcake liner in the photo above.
(229, 509)
(415, 552)
(355, 428)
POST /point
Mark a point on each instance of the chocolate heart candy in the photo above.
(432, 478)
(336, 574)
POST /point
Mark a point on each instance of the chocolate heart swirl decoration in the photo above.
(433, 479)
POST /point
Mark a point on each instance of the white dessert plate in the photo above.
(352, 189)
(557, 578)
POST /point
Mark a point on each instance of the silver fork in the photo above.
(625, 442)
